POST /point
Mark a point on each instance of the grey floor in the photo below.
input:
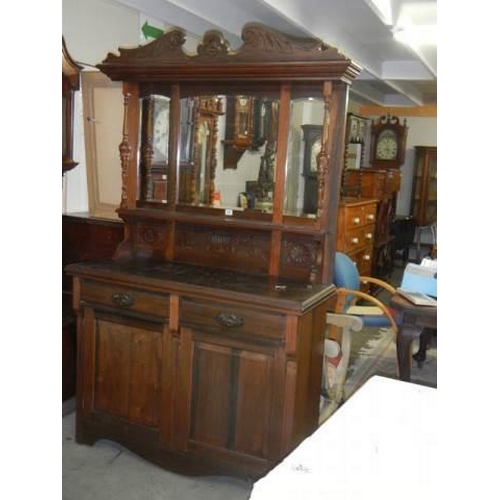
(108, 471)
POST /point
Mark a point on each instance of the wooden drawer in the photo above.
(354, 217)
(363, 259)
(370, 213)
(358, 238)
(220, 317)
(125, 298)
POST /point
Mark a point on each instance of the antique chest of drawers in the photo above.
(356, 231)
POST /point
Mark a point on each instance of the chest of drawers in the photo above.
(356, 231)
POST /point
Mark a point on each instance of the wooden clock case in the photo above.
(200, 344)
(400, 132)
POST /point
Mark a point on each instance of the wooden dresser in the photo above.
(356, 231)
(200, 342)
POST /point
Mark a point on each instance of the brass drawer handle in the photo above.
(123, 299)
(229, 319)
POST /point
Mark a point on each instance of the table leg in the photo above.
(404, 341)
(425, 340)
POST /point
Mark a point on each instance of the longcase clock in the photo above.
(388, 142)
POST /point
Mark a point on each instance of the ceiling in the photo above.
(394, 73)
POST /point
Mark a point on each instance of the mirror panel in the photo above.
(304, 144)
(227, 151)
(153, 144)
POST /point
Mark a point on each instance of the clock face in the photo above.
(160, 131)
(387, 146)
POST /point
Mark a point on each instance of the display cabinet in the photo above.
(201, 342)
(424, 197)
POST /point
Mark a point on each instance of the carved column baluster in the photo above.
(147, 152)
(125, 151)
(323, 157)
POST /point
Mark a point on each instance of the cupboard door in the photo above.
(121, 368)
(234, 401)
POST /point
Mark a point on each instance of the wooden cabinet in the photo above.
(181, 358)
(198, 370)
(424, 197)
(356, 231)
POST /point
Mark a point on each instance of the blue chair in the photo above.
(373, 312)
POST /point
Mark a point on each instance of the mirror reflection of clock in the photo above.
(387, 146)
(315, 149)
(160, 131)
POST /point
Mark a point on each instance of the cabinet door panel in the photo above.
(252, 419)
(231, 398)
(127, 371)
(210, 408)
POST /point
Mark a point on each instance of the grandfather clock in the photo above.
(387, 155)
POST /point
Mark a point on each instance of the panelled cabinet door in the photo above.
(122, 373)
(232, 399)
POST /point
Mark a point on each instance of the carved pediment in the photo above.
(165, 58)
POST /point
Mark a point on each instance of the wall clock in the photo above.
(388, 142)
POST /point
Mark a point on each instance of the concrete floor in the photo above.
(108, 471)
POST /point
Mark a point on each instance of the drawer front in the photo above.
(370, 213)
(125, 298)
(363, 260)
(354, 239)
(222, 317)
(354, 217)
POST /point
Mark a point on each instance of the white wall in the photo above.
(91, 29)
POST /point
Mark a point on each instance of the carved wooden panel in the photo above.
(227, 248)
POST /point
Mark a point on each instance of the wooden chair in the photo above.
(352, 301)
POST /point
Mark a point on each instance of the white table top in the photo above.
(382, 443)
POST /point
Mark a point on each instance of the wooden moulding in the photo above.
(265, 55)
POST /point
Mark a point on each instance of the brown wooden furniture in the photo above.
(383, 185)
(424, 198)
(182, 357)
(424, 192)
(356, 231)
(83, 238)
(415, 320)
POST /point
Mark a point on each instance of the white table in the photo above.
(382, 443)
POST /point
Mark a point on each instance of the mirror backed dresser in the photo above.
(200, 342)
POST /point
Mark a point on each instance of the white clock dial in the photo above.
(387, 148)
(160, 134)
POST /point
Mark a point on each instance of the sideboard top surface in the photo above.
(205, 282)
